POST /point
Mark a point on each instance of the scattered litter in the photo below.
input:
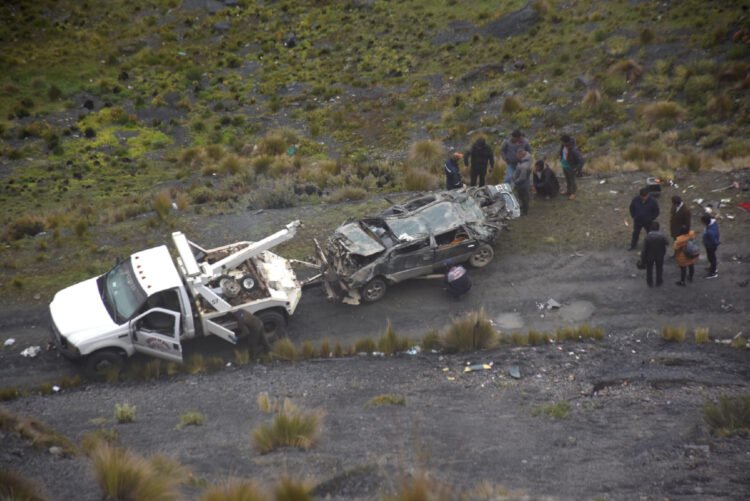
(744, 205)
(31, 351)
(478, 367)
(698, 201)
(730, 216)
(55, 388)
(414, 350)
(614, 192)
(733, 185)
(514, 372)
(446, 369)
(602, 181)
(726, 200)
(405, 237)
(691, 187)
(451, 378)
(551, 303)
(726, 306)
(626, 223)
(9, 342)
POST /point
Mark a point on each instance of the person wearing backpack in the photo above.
(711, 243)
(685, 254)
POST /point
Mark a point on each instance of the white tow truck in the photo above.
(150, 302)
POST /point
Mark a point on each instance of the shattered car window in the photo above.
(442, 217)
(409, 228)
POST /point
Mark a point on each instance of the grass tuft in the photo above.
(557, 410)
(730, 416)
(673, 334)
(289, 489)
(91, 440)
(191, 418)
(511, 105)
(471, 332)
(389, 343)
(427, 155)
(700, 335)
(234, 490)
(16, 487)
(124, 413)
(290, 427)
(284, 349)
(386, 399)
(40, 435)
(662, 110)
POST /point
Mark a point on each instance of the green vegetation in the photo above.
(290, 427)
(730, 416)
(16, 487)
(124, 413)
(234, 490)
(386, 399)
(557, 410)
(471, 332)
(191, 418)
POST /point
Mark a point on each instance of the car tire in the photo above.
(374, 290)
(274, 325)
(482, 257)
(103, 364)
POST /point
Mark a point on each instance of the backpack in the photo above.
(691, 249)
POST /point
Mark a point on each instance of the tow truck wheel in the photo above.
(482, 257)
(104, 364)
(374, 290)
(274, 325)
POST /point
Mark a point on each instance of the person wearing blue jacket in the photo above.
(711, 243)
(643, 210)
(453, 172)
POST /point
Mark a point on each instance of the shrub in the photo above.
(389, 343)
(731, 416)
(673, 334)
(592, 98)
(662, 110)
(647, 36)
(720, 105)
(431, 341)
(290, 427)
(234, 490)
(565, 334)
(629, 68)
(274, 195)
(124, 475)
(417, 179)
(325, 349)
(162, 203)
(511, 105)
(273, 144)
(701, 335)
(471, 332)
(40, 435)
(288, 489)
(191, 418)
(348, 193)
(420, 487)
(426, 155)
(27, 225)
(54, 93)
(92, 439)
(541, 7)
(16, 487)
(125, 413)
(366, 345)
(386, 399)
(557, 410)
(9, 394)
(232, 164)
(283, 349)
(697, 87)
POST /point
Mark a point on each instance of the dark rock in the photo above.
(582, 81)
(515, 23)
(221, 27)
(123, 76)
(88, 104)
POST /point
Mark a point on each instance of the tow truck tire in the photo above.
(374, 290)
(274, 325)
(103, 364)
(482, 257)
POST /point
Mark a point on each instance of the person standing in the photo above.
(509, 151)
(522, 180)
(572, 163)
(452, 171)
(684, 261)
(679, 216)
(711, 243)
(480, 157)
(643, 210)
(545, 180)
(652, 256)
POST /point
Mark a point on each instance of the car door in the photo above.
(411, 259)
(455, 245)
(156, 332)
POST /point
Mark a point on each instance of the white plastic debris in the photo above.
(9, 342)
(698, 201)
(55, 388)
(552, 304)
(414, 350)
(602, 181)
(31, 351)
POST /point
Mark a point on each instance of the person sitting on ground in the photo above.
(545, 181)
(457, 281)
(452, 172)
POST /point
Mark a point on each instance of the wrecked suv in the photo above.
(415, 238)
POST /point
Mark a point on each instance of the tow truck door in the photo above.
(157, 333)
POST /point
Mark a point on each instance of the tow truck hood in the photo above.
(79, 314)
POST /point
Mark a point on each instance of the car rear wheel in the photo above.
(274, 325)
(103, 365)
(374, 290)
(482, 257)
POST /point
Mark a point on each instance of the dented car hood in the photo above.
(358, 241)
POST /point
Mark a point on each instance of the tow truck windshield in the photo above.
(121, 293)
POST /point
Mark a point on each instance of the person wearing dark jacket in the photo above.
(452, 172)
(572, 163)
(711, 243)
(545, 180)
(652, 256)
(643, 210)
(509, 151)
(679, 216)
(457, 281)
(480, 156)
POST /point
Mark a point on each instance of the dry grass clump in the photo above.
(196, 364)
(191, 418)
(290, 427)
(538, 338)
(557, 410)
(324, 349)
(124, 475)
(348, 193)
(720, 105)
(592, 98)
(730, 416)
(389, 343)
(289, 489)
(234, 490)
(92, 439)
(662, 110)
(421, 487)
(673, 334)
(26, 225)
(162, 203)
(629, 68)
(40, 435)
(386, 399)
(365, 345)
(700, 334)
(427, 155)
(431, 341)
(16, 487)
(419, 179)
(124, 413)
(511, 105)
(9, 394)
(307, 350)
(471, 332)
(242, 357)
(541, 7)
(284, 349)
